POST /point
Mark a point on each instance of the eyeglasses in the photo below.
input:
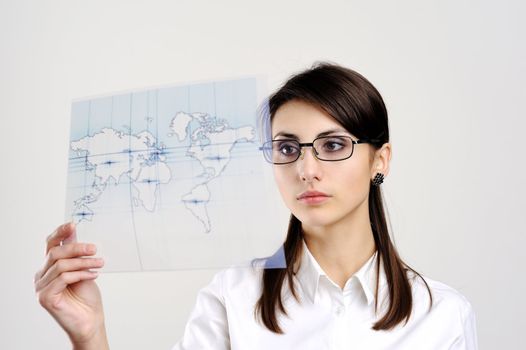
(326, 148)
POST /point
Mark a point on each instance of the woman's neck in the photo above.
(344, 247)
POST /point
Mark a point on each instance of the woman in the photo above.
(344, 286)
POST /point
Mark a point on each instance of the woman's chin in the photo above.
(315, 222)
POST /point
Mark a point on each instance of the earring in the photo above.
(378, 179)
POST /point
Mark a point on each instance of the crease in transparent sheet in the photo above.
(173, 178)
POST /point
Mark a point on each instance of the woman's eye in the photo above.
(333, 145)
(287, 149)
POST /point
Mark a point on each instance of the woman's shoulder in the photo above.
(444, 297)
(236, 280)
(447, 313)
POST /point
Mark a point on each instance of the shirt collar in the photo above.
(309, 273)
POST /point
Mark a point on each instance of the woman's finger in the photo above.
(48, 294)
(60, 234)
(68, 251)
(67, 265)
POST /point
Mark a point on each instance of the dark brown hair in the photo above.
(355, 103)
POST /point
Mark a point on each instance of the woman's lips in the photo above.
(312, 197)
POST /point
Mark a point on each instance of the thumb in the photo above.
(72, 236)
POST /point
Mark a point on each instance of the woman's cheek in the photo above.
(285, 189)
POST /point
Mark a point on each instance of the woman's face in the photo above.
(320, 193)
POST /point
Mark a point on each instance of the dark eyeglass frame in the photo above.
(268, 145)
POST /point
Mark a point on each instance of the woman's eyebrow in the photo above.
(286, 135)
(333, 131)
(325, 133)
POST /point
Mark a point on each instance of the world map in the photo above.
(112, 154)
(173, 177)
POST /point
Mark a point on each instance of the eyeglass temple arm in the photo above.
(367, 141)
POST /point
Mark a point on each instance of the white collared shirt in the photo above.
(326, 317)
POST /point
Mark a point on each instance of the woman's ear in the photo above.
(381, 161)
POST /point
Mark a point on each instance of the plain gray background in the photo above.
(451, 72)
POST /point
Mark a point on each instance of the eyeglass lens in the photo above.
(329, 148)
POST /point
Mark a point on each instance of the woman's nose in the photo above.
(308, 165)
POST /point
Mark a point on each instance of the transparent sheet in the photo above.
(173, 178)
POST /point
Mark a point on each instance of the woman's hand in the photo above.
(66, 288)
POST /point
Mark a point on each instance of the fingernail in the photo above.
(91, 249)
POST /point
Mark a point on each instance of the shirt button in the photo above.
(339, 310)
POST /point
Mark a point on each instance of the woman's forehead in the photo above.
(301, 119)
